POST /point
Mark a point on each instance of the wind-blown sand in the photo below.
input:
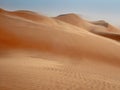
(42, 53)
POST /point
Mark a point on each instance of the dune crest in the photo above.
(107, 25)
(32, 16)
(76, 20)
(97, 27)
(2, 10)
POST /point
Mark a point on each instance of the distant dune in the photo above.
(80, 22)
(109, 27)
(96, 26)
(57, 53)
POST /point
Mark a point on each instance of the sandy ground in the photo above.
(31, 72)
(42, 53)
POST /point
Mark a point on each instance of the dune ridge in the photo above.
(96, 27)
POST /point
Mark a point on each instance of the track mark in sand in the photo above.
(71, 78)
(41, 74)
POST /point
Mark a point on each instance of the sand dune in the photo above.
(96, 26)
(111, 35)
(76, 20)
(31, 16)
(42, 53)
(109, 27)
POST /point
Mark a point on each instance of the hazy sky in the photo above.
(90, 9)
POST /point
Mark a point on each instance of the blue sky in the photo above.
(90, 9)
